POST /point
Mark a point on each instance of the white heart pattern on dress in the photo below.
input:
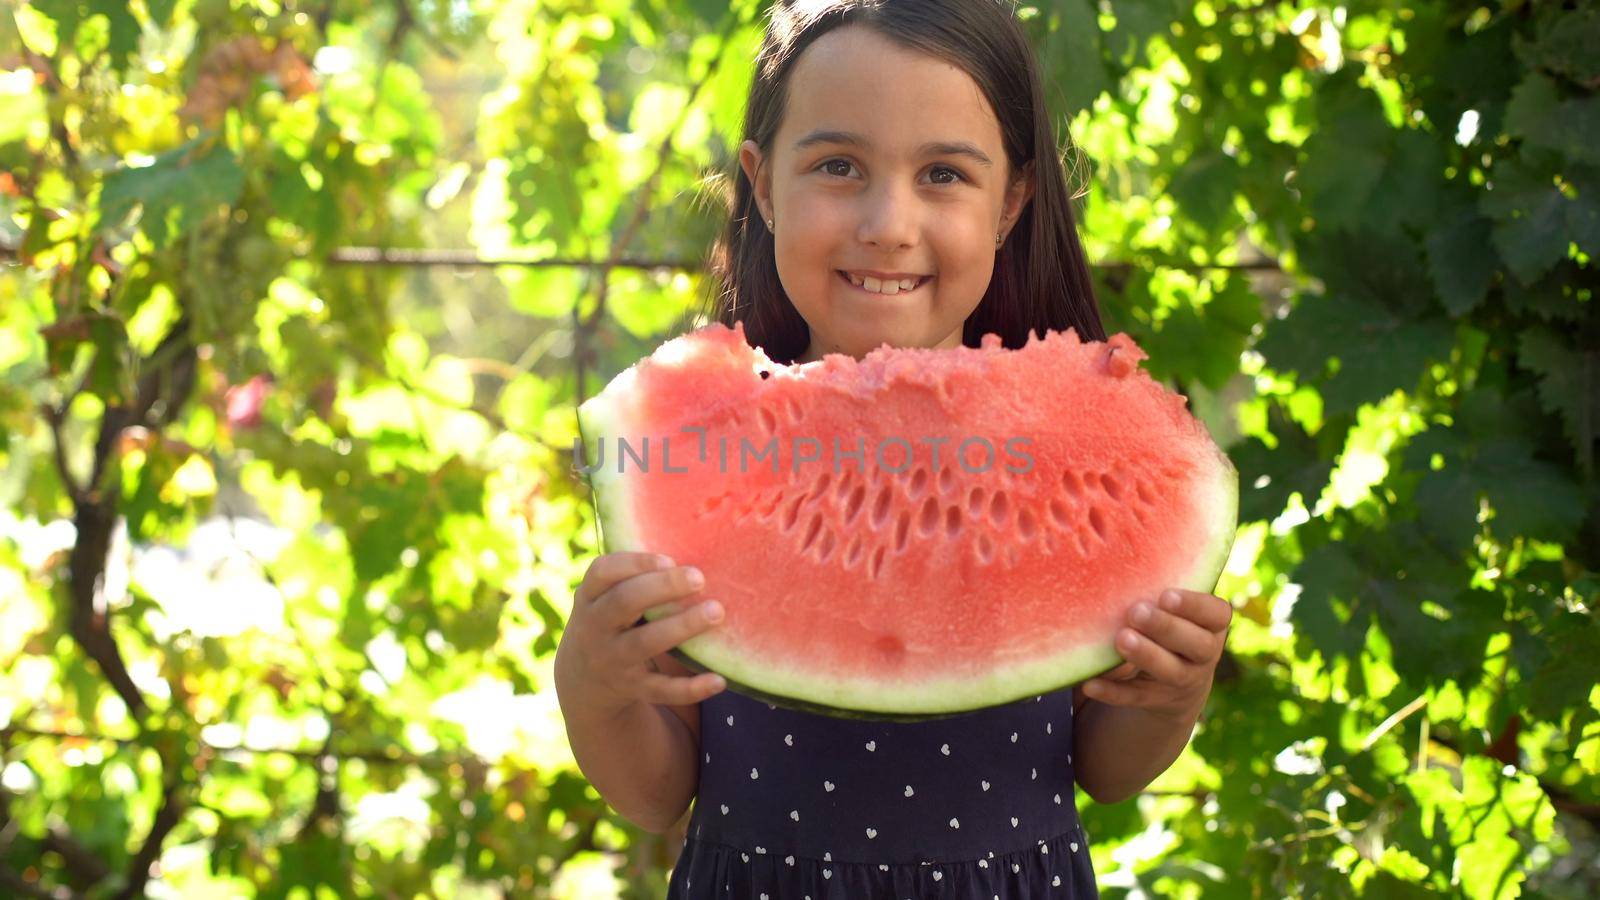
(938, 875)
(872, 746)
(909, 791)
(872, 833)
(986, 785)
(827, 786)
(955, 823)
(794, 814)
(724, 809)
(945, 749)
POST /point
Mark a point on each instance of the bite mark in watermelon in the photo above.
(894, 585)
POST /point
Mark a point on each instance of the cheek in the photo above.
(808, 233)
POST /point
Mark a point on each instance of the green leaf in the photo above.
(1543, 118)
(1072, 57)
(1569, 386)
(1296, 465)
(1205, 188)
(1201, 343)
(1461, 260)
(1377, 350)
(1564, 45)
(1534, 220)
(193, 179)
(1347, 155)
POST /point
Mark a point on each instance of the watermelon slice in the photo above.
(918, 533)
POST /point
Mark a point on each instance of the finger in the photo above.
(1155, 660)
(1175, 633)
(611, 568)
(1117, 693)
(1206, 610)
(627, 600)
(1121, 673)
(677, 690)
(655, 638)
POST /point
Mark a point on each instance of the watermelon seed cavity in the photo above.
(919, 483)
(876, 564)
(998, 509)
(1098, 523)
(852, 507)
(880, 508)
(1071, 481)
(1058, 513)
(811, 532)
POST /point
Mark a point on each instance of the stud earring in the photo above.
(997, 239)
(769, 224)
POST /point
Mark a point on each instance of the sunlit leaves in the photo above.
(1409, 364)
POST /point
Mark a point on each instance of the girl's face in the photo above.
(889, 162)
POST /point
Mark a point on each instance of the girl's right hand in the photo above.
(607, 654)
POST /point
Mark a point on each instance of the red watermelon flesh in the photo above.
(891, 584)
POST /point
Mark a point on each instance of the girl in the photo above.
(901, 184)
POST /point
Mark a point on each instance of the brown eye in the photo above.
(842, 162)
(958, 175)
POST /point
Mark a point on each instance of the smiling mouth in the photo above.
(921, 282)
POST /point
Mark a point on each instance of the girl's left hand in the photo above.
(1171, 650)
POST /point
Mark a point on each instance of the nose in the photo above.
(888, 217)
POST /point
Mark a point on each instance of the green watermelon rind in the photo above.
(871, 698)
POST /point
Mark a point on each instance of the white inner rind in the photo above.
(597, 422)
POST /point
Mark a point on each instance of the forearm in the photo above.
(1118, 750)
(641, 759)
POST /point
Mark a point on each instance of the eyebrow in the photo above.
(932, 148)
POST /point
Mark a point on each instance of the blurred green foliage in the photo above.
(286, 543)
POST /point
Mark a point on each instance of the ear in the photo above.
(757, 169)
(1018, 193)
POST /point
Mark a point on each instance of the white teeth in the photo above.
(878, 286)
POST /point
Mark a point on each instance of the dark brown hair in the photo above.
(1041, 276)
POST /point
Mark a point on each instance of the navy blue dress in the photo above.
(794, 805)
